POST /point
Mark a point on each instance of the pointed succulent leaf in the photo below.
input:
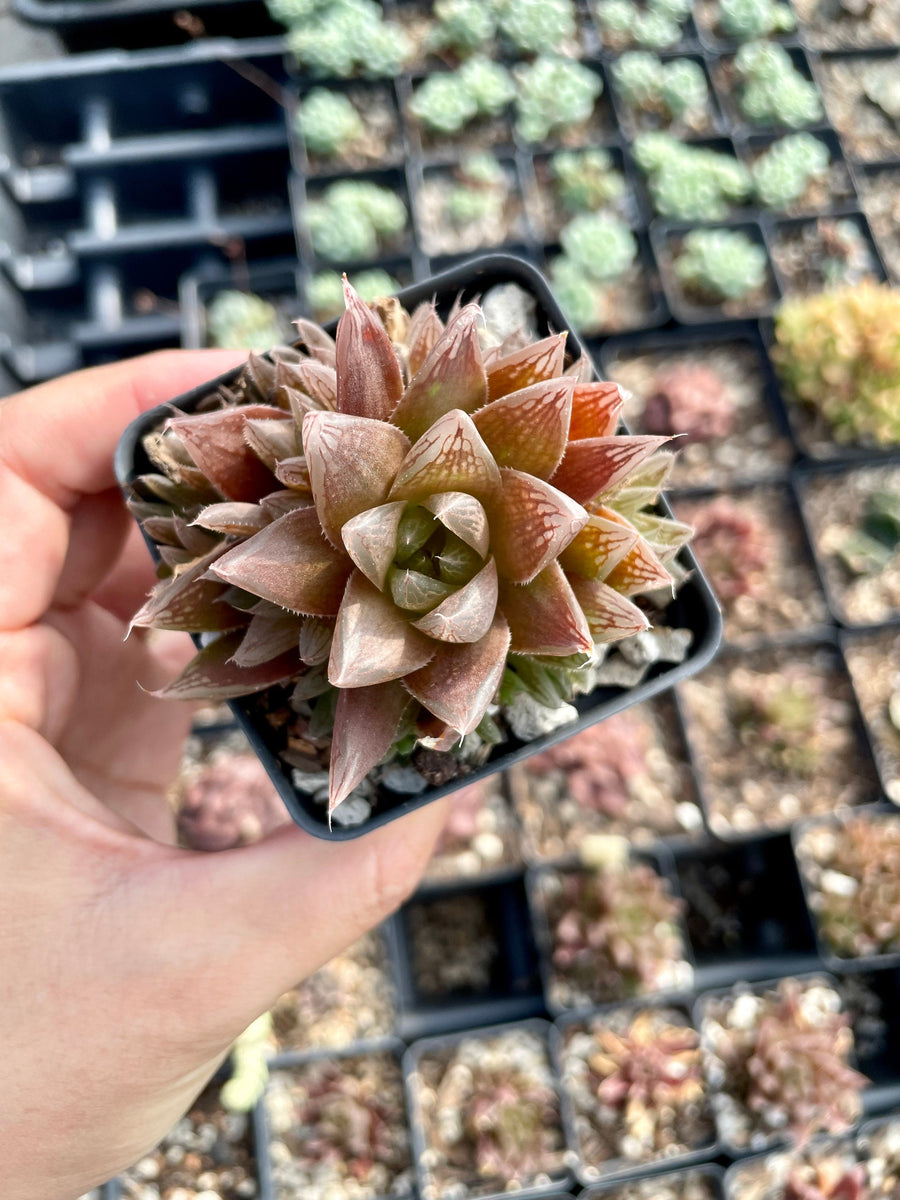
(291, 564)
(268, 636)
(531, 524)
(216, 444)
(532, 364)
(234, 516)
(596, 408)
(580, 370)
(468, 612)
(452, 377)
(316, 381)
(198, 541)
(460, 683)
(596, 465)
(211, 674)
(312, 683)
(271, 441)
(528, 429)
(161, 530)
(663, 534)
(187, 601)
(175, 556)
(178, 495)
(373, 641)
(365, 726)
(369, 383)
(352, 464)
(544, 616)
(639, 571)
(320, 344)
(166, 451)
(414, 591)
(644, 483)
(456, 563)
(276, 504)
(315, 640)
(464, 516)
(371, 539)
(416, 527)
(450, 457)
(294, 474)
(425, 327)
(597, 548)
(610, 616)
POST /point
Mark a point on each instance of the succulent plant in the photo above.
(328, 122)
(690, 183)
(843, 1184)
(746, 20)
(691, 398)
(854, 870)
(597, 251)
(343, 37)
(716, 265)
(868, 549)
(625, 23)
(735, 549)
(554, 94)
(242, 321)
(614, 931)
(839, 354)
(479, 192)
(881, 88)
(384, 502)
(778, 715)
(771, 90)
(491, 1114)
(448, 101)
(463, 26)
(782, 1059)
(673, 91)
(585, 180)
(538, 26)
(325, 291)
(638, 1080)
(782, 174)
(227, 801)
(354, 219)
(845, 255)
(336, 1124)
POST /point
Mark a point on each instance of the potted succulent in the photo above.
(671, 94)
(334, 1125)
(486, 1114)
(860, 95)
(878, 188)
(710, 273)
(828, 1168)
(765, 84)
(848, 24)
(611, 931)
(649, 24)
(778, 1062)
(744, 20)
(812, 255)
(351, 129)
(700, 1183)
(688, 182)
(634, 1090)
(399, 684)
(469, 207)
(799, 173)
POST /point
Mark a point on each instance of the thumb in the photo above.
(272, 913)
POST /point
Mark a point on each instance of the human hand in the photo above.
(127, 965)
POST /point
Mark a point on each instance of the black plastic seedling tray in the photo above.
(693, 608)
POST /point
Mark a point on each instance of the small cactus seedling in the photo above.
(781, 1060)
(690, 183)
(637, 1086)
(343, 37)
(692, 398)
(242, 321)
(354, 220)
(783, 173)
(854, 872)
(554, 95)
(771, 91)
(838, 354)
(447, 102)
(747, 20)
(717, 265)
(671, 93)
(615, 931)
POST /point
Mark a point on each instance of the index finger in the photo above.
(56, 446)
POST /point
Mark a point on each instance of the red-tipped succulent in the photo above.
(391, 517)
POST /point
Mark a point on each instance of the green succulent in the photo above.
(351, 220)
(536, 26)
(325, 291)
(782, 173)
(242, 321)
(328, 122)
(442, 103)
(720, 264)
(772, 91)
(637, 78)
(746, 20)
(483, 168)
(602, 246)
(554, 94)
(346, 37)
(463, 26)
(489, 84)
(296, 12)
(690, 183)
(655, 24)
(683, 89)
(655, 30)
(577, 295)
(676, 90)
(585, 180)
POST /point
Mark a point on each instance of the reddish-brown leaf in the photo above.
(639, 571)
(217, 445)
(544, 616)
(373, 641)
(187, 602)
(352, 462)
(596, 408)
(272, 441)
(425, 327)
(233, 516)
(452, 377)
(595, 465)
(369, 383)
(269, 635)
(365, 724)
(450, 457)
(598, 547)
(528, 429)
(531, 524)
(461, 681)
(212, 675)
(464, 516)
(371, 539)
(294, 474)
(534, 363)
(610, 616)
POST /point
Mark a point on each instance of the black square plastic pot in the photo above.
(780, 233)
(513, 991)
(872, 1000)
(727, 94)
(772, 1167)
(538, 1028)
(745, 911)
(620, 1170)
(693, 608)
(752, 146)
